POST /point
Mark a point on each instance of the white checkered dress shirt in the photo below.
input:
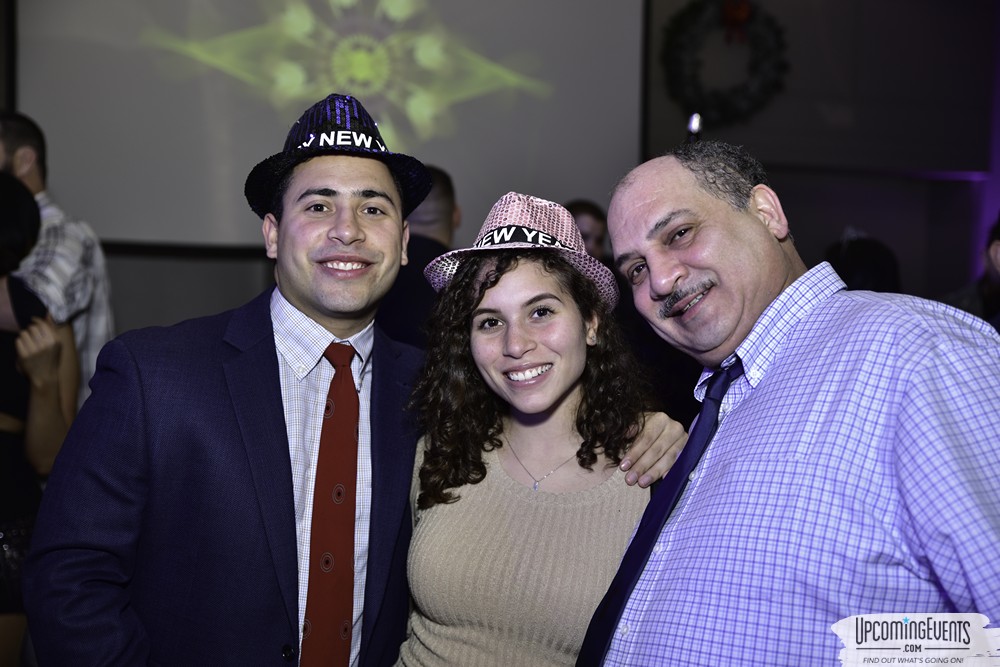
(304, 386)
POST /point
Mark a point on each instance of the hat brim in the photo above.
(440, 271)
(412, 176)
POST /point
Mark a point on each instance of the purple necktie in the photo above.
(605, 619)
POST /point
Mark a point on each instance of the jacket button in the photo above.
(288, 653)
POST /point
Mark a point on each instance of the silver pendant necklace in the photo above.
(538, 480)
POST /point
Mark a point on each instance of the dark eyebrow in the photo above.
(322, 192)
(624, 259)
(483, 311)
(653, 232)
(363, 194)
(533, 300)
(542, 297)
(379, 194)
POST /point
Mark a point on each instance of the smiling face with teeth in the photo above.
(529, 342)
(701, 270)
(340, 241)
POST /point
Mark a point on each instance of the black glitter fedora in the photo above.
(337, 125)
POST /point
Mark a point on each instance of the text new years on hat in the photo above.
(343, 138)
(519, 234)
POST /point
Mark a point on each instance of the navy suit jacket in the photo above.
(167, 531)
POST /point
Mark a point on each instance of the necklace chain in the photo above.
(538, 480)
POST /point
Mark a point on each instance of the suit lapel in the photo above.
(255, 389)
(393, 445)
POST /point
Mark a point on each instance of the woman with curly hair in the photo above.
(529, 401)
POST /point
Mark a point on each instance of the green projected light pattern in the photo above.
(393, 54)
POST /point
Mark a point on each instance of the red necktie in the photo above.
(326, 635)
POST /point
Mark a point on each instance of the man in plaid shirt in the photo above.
(66, 269)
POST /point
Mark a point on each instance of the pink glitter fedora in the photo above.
(523, 221)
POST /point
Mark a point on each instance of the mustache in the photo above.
(670, 301)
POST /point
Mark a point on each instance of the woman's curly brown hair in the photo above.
(461, 417)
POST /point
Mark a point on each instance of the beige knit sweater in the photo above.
(509, 576)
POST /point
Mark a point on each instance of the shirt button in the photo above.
(657, 548)
(623, 629)
(301, 370)
(693, 476)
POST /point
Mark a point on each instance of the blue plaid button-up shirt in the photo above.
(856, 470)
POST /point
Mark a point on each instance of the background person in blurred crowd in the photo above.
(405, 309)
(66, 267)
(38, 384)
(982, 297)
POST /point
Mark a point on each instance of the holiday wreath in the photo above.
(743, 21)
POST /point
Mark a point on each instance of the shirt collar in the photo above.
(301, 340)
(46, 206)
(795, 303)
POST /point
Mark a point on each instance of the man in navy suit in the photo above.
(175, 527)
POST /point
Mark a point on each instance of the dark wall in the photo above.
(8, 54)
(929, 224)
(161, 285)
(893, 86)
(887, 124)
